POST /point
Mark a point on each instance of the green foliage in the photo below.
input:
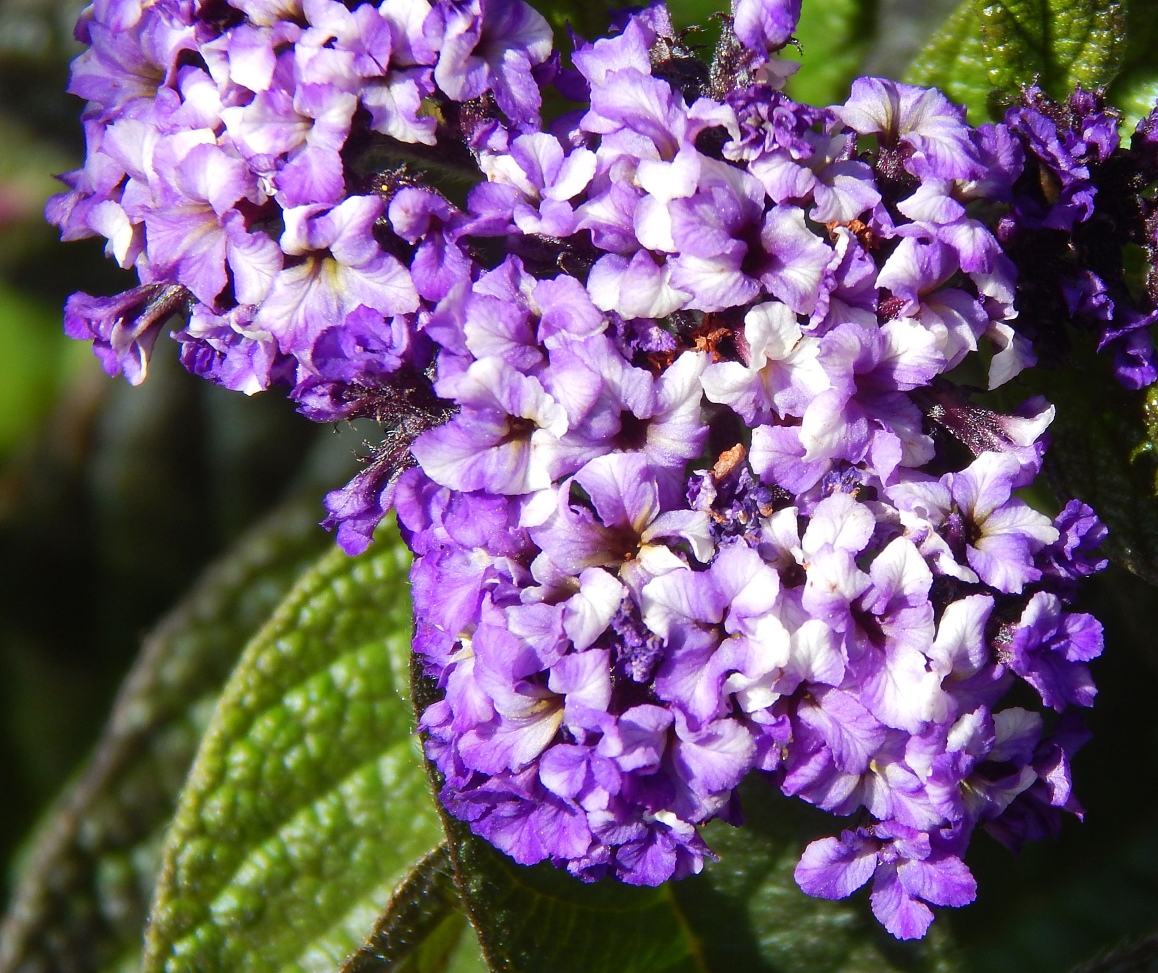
(89, 876)
(1135, 90)
(834, 38)
(422, 929)
(987, 50)
(307, 803)
(1062, 43)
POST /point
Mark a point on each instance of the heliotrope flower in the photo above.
(669, 393)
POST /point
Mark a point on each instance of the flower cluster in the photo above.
(672, 400)
(1081, 203)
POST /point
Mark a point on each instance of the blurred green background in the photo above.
(113, 499)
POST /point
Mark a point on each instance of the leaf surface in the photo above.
(989, 48)
(307, 803)
(1135, 89)
(953, 60)
(423, 929)
(1063, 43)
(83, 895)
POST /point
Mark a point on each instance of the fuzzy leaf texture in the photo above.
(307, 803)
(743, 912)
(423, 929)
(1062, 42)
(83, 896)
(987, 50)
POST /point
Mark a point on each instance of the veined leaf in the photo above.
(989, 48)
(1063, 43)
(422, 929)
(307, 803)
(83, 895)
(742, 913)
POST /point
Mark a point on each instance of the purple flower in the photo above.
(123, 329)
(908, 869)
(1049, 649)
(1080, 533)
(970, 516)
(197, 235)
(764, 25)
(503, 437)
(921, 123)
(219, 347)
(341, 269)
(490, 45)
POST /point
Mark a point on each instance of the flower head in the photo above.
(668, 388)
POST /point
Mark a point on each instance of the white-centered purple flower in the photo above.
(340, 267)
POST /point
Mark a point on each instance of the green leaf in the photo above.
(1134, 93)
(834, 38)
(1063, 43)
(750, 914)
(307, 802)
(422, 929)
(954, 60)
(1135, 90)
(742, 913)
(989, 48)
(419, 906)
(83, 895)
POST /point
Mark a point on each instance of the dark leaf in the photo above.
(1137, 958)
(1104, 451)
(421, 927)
(307, 803)
(88, 877)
